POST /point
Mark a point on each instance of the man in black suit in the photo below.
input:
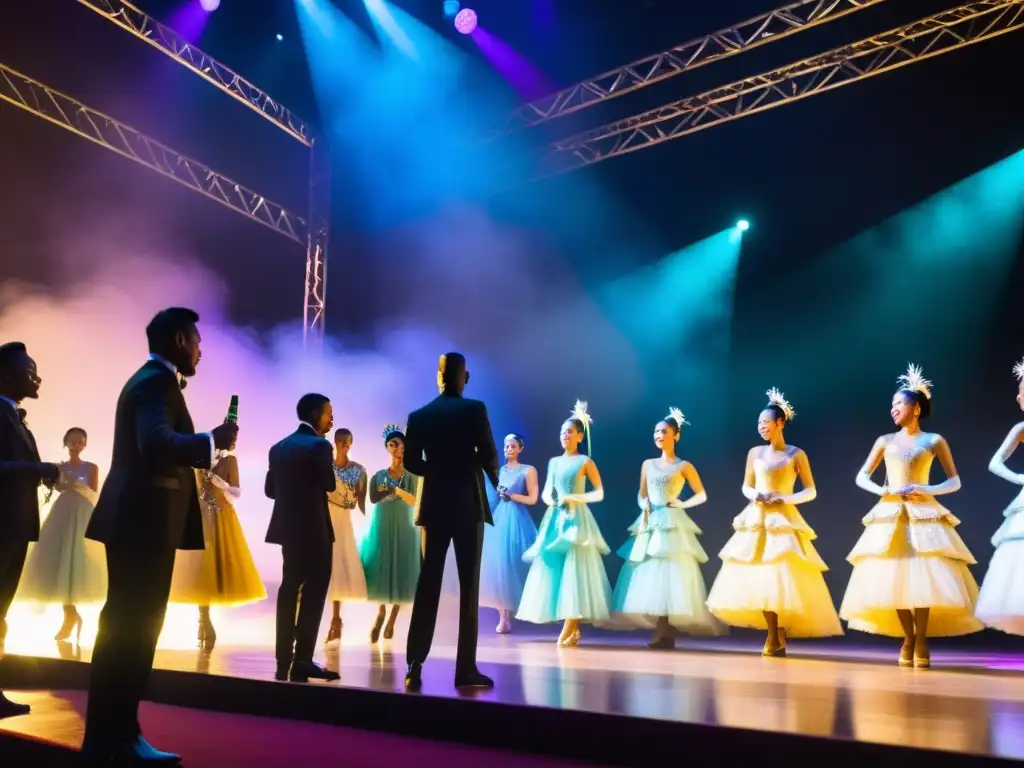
(300, 476)
(21, 472)
(449, 444)
(148, 508)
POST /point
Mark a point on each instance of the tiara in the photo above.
(579, 411)
(1018, 370)
(916, 382)
(776, 398)
(677, 416)
(517, 438)
(390, 429)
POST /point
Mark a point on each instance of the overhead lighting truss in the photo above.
(941, 33)
(61, 109)
(768, 27)
(169, 42)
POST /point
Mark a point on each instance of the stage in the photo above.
(610, 701)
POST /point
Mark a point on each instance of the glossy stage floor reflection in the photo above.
(970, 702)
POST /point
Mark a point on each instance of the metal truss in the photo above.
(315, 238)
(768, 27)
(166, 40)
(60, 109)
(941, 33)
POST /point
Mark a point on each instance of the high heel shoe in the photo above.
(334, 633)
(207, 634)
(375, 632)
(72, 623)
(389, 630)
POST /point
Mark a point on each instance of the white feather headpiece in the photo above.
(915, 381)
(775, 397)
(677, 416)
(1018, 370)
(579, 411)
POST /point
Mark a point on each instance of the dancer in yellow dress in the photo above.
(771, 575)
(223, 573)
(910, 577)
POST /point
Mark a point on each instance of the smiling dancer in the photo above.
(567, 580)
(771, 575)
(660, 583)
(910, 577)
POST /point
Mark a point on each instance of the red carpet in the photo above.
(213, 739)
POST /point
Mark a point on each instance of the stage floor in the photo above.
(971, 704)
(970, 701)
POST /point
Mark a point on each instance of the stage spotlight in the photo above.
(280, 37)
(209, 5)
(742, 225)
(451, 7)
(465, 21)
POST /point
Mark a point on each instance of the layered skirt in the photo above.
(770, 564)
(910, 556)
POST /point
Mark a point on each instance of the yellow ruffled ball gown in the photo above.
(770, 564)
(910, 556)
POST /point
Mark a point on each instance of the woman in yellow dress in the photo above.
(222, 574)
(910, 577)
(771, 575)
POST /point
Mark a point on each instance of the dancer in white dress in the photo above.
(1001, 600)
(660, 584)
(910, 576)
(347, 579)
(64, 567)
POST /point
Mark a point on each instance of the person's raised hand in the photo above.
(225, 435)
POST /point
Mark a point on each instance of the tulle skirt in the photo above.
(1000, 602)
(770, 564)
(223, 573)
(908, 557)
(567, 578)
(391, 553)
(63, 566)
(347, 579)
(661, 576)
(502, 569)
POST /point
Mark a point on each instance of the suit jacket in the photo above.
(150, 497)
(19, 479)
(449, 444)
(300, 476)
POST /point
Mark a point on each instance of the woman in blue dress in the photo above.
(502, 570)
(390, 552)
(567, 579)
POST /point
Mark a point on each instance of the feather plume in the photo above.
(676, 415)
(579, 411)
(1018, 370)
(775, 397)
(914, 380)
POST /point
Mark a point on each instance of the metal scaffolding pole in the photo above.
(167, 41)
(768, 27)
(60, 109)
(941, 33)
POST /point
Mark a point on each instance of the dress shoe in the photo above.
(473, 679)
(304, 671)
(10, 708)
(414, 676)
(138, 750)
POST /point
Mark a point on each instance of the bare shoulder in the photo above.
(934, 439)
(795, 452)
(754, 452)
(1018, 432)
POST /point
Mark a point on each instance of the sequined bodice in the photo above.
(775, 477)
(664, 482)
(566, 477)
(513, 479)
(907, 466)
(71, 475)
(345, 493)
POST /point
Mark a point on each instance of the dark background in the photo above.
(835, 292)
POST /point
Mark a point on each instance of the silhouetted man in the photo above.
(21, 472)
(148, 508)
(449, 444)
(300, 476)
